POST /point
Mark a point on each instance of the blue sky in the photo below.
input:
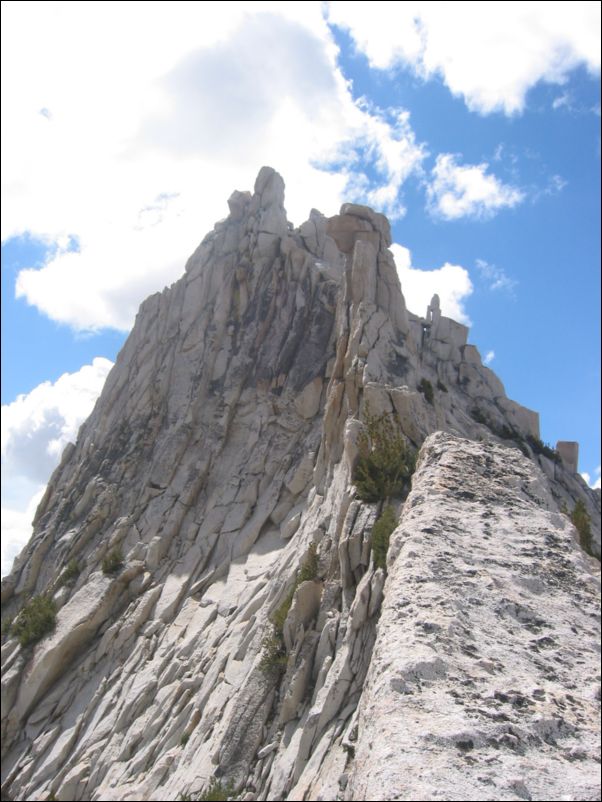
(474, 126)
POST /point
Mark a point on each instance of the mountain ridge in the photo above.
(221, 448)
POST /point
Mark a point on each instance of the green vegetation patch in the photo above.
(504, 432)
(539, 447)
(279, 615)
(307, 572)
(381, 533)
(217, 792)
(582, 523)
(426, 388)
(113, 562)
(479, 416)
(69, 574)
(7, 625)
(274, 657)
(309, 568)
(385, 463)
(36, 619)
(273, 654)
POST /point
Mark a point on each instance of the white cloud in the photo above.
(16, 530)
(554, 186)
(35, 429)
(595, 484)
(136, 154)
(496, 277)
(457, 191)
(490, 54)
(563, 100)
(489, 357)
(451, 282)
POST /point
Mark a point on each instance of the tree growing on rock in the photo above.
(386, 462)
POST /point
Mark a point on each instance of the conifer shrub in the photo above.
(504, 432)
(385, 462)
(217, 792)
(426, 388)
(280, 613)
(113, 562)
(309, 569)
(479, 416)
(582, 523)
(381, 532)
(274, 657)
(7, 624)
(539, 447)
(69, 574)
(273, 654)
(36, 619)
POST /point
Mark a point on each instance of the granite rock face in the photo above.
(219, 461)
(477, 686)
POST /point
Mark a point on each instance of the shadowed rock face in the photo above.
(222, 446)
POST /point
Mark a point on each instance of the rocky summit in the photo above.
(234, 588)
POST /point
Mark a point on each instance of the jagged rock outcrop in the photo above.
(219, 461)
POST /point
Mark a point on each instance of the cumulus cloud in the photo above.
(595, 482)
(16, 530)
(35, 429)
(490, 54)
(489, 357)
(456, 190)
(451, 282)
(136, 156)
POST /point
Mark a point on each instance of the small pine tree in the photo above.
(69, 574)
(309, 569)
(426, 388)
(217, 791)
(381, 533)
(273, 654)
(281, 612)
(113, 562)
(7, 624)
(582, 523)
(274, 657)
(385, 463)
(36, 619)
(539, 447)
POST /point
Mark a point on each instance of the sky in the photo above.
(474, 126)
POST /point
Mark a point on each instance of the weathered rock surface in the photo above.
(478, 687)
(222, 446)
